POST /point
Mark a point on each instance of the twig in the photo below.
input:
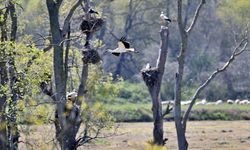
(196, 15)
(168, 110)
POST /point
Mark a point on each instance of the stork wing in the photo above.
(124, 42)
(116, 54)
(121, 45)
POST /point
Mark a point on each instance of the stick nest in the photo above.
(91, 56)
(92, 25)
(150, 76)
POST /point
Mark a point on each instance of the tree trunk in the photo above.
(180, 126)
(182, 141)
(66, 126)
(64, 130)
(153, 79)
(3, 97)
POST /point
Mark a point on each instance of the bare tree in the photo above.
(153, 78)
(181, 121)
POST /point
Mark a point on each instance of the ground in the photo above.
(202, 135)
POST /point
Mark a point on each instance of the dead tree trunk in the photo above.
(182, 142)
(153, 78)
(181, 121)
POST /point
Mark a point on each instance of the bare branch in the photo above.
(168, 110)
(69, 16)
(196, 15)
(66, 58)
(240, 48)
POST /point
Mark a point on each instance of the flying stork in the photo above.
(123, 47)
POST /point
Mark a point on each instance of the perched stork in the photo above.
(92, 11)
(123, 47)
(148, 66)
(72, 96)
(164, 18)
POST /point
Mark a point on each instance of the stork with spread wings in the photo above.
(123, 47)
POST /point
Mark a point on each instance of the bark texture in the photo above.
(182, 142)
(153, 79)
(66, 126)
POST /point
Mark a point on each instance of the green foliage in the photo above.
(131, 112)
(216, 91)
(32, 66)
(236, 11)
(102, 88)
(96, 117)
(199, 63)
(188, 92)
(133, 93)
(34, 114)
(34, 17)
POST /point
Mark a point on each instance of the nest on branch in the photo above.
(91, 56)
(92, 25)
(150, 76)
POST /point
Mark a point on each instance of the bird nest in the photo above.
(150, 76)
(92, 25)
(91, 56)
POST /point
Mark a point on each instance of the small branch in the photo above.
(67, 54)
(69, 16)
(76, 37)
(237, 51)
(196, 15)
(168, 110)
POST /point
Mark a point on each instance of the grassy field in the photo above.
(131, 112)
(202, 135)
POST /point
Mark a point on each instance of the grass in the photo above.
(131, 112)
(222, 107)
(201, 135)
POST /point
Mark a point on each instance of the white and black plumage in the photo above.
(164, 18)
(92, 11)
(123, 47)
(72, 96)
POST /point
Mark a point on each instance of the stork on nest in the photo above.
(91, 56)
(92, 25)
(150, 75)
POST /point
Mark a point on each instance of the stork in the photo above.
(92, 11)
(164, 18)
(123, 47)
